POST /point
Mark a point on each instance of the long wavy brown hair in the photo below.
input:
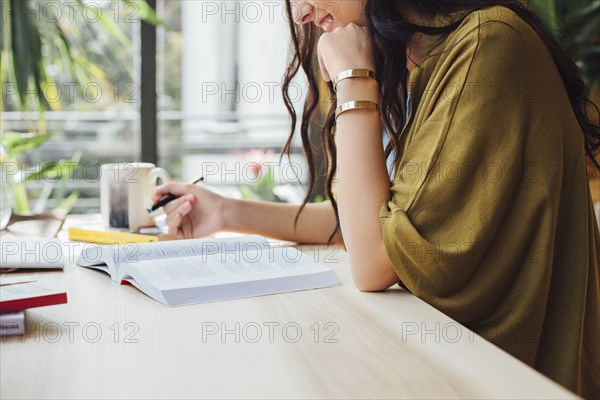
(390, 34)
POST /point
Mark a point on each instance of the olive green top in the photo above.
(490, 218)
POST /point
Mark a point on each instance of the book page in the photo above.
(134, 253)
(224, 268)
(26, 290)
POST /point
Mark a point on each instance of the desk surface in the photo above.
(113, 341)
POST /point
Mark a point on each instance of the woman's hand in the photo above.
(347, 47)
(197, 211)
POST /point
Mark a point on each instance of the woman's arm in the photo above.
(363, 186)
(199, 212)
(363, 180)
(276, 220)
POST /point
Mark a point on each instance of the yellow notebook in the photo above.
(111, 237)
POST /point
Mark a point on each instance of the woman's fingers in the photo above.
(345, 48)
(173, 222)
(183, 209)
(173, 205)
(188, 215)
(176, 217)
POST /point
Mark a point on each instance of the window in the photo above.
(94, 101)
(219, 71)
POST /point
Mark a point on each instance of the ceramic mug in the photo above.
(125, 194)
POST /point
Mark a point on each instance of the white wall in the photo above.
(219, 36)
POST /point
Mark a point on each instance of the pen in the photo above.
(169, 198)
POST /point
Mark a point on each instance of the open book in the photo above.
(203, 270)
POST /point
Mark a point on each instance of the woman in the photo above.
(487, 214)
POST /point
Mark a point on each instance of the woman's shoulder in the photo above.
(497, 35)
(497, 24)
(501, 14)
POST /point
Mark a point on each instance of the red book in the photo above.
(29, 295)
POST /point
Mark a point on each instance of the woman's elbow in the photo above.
(375, 272)
(373, 278)
(369, 287)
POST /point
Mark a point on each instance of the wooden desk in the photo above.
(112, 341)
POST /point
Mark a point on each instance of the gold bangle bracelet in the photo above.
(356, 105)
(352, 73)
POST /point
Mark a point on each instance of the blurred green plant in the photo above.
(31, 46)
(576, 24)
(54, 175)
(33, 40)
